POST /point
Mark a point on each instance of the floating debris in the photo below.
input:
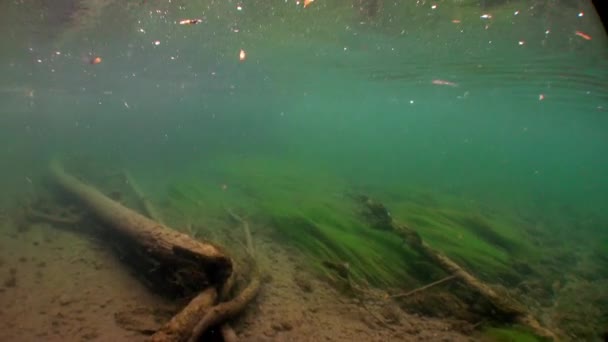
(444, 83)
(190, 21)
(583, 35)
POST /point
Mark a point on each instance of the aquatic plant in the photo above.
(507, 334)
(312, 210)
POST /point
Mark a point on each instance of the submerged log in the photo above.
(185, 265)
(379, 217)
(188, 264)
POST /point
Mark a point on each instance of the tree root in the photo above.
(228, 333)
(220, 313)
(226, 310)
(180, 326)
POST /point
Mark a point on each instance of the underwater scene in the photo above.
(303, 170)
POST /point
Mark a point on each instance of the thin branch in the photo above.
(420, 289)
(33, 213)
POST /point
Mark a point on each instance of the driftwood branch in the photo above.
(425, 287)
(38, 215)
(249, 248)
(147, 206)
(180, 326)
(200, 264)
(226, 310)
(228, 333)
(379, 217)
(220, 313)
(204, 262)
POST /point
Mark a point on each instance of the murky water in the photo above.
(491, 109)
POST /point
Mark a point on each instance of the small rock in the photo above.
(286, 326)
(90, 336)
(11, 281)
(391, 313)
(270, 333)
(303, 283)
(65, 300)
(282, 326)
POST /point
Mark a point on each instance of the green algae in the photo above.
(308, 209)
(313, 210)
(507, 334)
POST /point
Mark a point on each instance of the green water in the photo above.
(332, 100)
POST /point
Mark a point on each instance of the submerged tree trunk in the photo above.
(187, 265)
(379, 218)
(184, 265)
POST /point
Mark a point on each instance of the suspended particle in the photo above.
(583, 35)
(190, 21)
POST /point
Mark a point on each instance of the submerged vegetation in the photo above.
(316, 213)
(515, 334)
(287, 116)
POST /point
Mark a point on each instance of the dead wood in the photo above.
(147, 206)
(226, 310)
(190, 264)
(425, 287)
(228, 333)
(249, 248)
(191, 261)
(180, 326)
(222, 312)
(380, 218)
(38, 215)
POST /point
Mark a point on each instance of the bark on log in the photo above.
(189, 265)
